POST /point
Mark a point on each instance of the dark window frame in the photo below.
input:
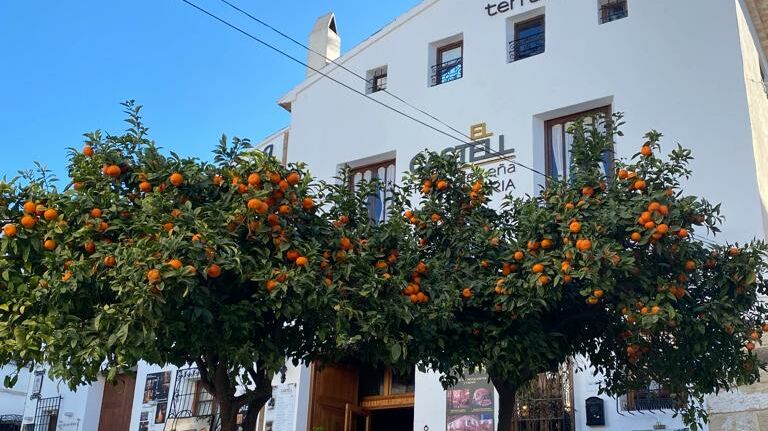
(609, 11)
(606, 110)
(537, 41)
(197, 402)
(438, 76)
(374, 167)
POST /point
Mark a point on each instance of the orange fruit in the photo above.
(546, 243)
(168, 227)
(645, 217)
(639, 185)
(153, 276)
(302, 261)
(544, 280)
(598, 293)
(293, 178)
(649, 225)
(175, 264)
(623, 174)
(242, 188)
(284, 209)
(9, 230)
(587, 191)
(583, 244)
(217, 180)
(176, 179)
(653, 206)
(570, 206)
(50, 214)
(307, 203)
(567, 278)
(442, 185)
(533, 245)
(214, 271)
(466, 293)
(663, 210)
(565, 266)
(690, 265)
(88, 150)
(734, 251)
(113, 171)
(257, 205)
(49, 245)
(96, 213)
(644, 310)
(145, 187)
(537, 268)
(635, 236)
(662, 229)
(28, 221)
(271, 285)
(292, 255)
(90, 247)
(254, 179)
(110, 261)
(67, 275)
(519, 255)
(283, 185)
(754, 335)
(435, 217)
(421, 268)
(646, 151)
(655, 309)
(274, 177)
(574, 227)
(477, 186)
(345, 243)
(29, 207)
(682, 233)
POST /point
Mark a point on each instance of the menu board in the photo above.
(469, 405)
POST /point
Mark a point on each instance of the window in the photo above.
(385, 386)
(377, 80)
(203, 403)
(653, 397)
(611, 10)
(558, 143)
(528, 39)
(384, 172)
(449, 63)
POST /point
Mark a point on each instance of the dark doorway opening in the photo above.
(392, 419)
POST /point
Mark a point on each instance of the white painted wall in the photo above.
(674, 66)
(79, 409)
(12, 399)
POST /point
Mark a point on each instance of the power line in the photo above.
(354, 90)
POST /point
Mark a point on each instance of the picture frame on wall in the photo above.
(157, 386)
(161, 412)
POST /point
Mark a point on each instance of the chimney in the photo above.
(325, 40)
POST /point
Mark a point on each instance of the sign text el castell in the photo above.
(503, 7)
(485, 150)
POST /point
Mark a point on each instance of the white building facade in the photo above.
(513, 73)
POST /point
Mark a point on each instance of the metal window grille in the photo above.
(611, 10)
(47, 414)
(652, 398)
(529, 39)
(384, 172)
(546, 403)
(190, 399)
(377, 80)
(448, 71)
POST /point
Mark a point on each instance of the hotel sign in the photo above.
(486, 150)
(506, 6)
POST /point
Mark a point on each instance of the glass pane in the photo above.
(530, 28)
(403, 383)
(556, 151)
(451, 54)
(371, 382)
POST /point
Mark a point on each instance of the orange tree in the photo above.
(609, 268)
(172, 260)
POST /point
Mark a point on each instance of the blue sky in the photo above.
(66, 65)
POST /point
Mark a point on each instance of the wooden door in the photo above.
(357, 419)
(117, 404)
(333, 388)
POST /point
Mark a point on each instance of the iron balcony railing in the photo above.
(613, 10)
(448, 71)
(527, 46)
(649, 399)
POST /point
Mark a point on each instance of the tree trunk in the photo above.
(228, 415)
(506, 404)
(251, 418)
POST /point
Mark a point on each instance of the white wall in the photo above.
(12, 399)
(675, 66)
(79, 409)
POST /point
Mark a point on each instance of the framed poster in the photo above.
(161, 412)
(202, 423)
(156, 387)
(144, 426)
(469, 405)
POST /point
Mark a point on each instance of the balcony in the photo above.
(613, 10)
(527, 46)
(448, 71)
